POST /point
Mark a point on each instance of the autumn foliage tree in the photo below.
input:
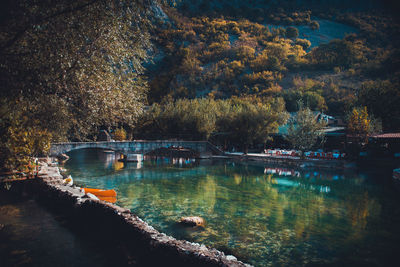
(359, 123)
(21, 138)
(120, 134)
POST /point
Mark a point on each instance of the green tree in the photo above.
(382, 99)
(339, 53)
(308, 91)
(249, 121)
(85, 55)
(183, 118)
(239, 121)
(304, 131)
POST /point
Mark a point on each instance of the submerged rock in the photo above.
(192, 221)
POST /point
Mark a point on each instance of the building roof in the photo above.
(387, 135)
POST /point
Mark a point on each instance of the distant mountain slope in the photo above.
(295, 50)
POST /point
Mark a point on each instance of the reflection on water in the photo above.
(265, 215)
(282, 171)
(293, 173)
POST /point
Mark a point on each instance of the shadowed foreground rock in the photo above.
(117, 224)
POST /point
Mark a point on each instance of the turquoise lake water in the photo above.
(264, 215)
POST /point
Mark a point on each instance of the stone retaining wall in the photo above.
(152, 247)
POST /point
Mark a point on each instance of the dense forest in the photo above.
(200, 70)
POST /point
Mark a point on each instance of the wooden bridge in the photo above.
(204, 148)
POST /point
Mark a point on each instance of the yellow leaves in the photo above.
(236, 30)
(279, 49)
(359, 122)
(260, 62)
(215, 45)
(236, 64)
(245, 52)
(120, 134)
(243, 45)
(260, 77)
(23, 143)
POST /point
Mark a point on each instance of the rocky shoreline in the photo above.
(154, 248)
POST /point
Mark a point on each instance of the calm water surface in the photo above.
(264, 215)
(31, 235)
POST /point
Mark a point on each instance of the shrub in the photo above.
(303, 43)
(120, 134)
(314, 25)
(23, 144)
(292, 32)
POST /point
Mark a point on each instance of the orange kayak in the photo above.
(101, 192)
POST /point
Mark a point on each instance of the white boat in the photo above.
(134, 157)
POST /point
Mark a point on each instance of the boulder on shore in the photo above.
(192, 221)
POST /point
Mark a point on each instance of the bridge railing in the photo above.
(196, 145)
(133, 141)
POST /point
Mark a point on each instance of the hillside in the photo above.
(322, 57)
